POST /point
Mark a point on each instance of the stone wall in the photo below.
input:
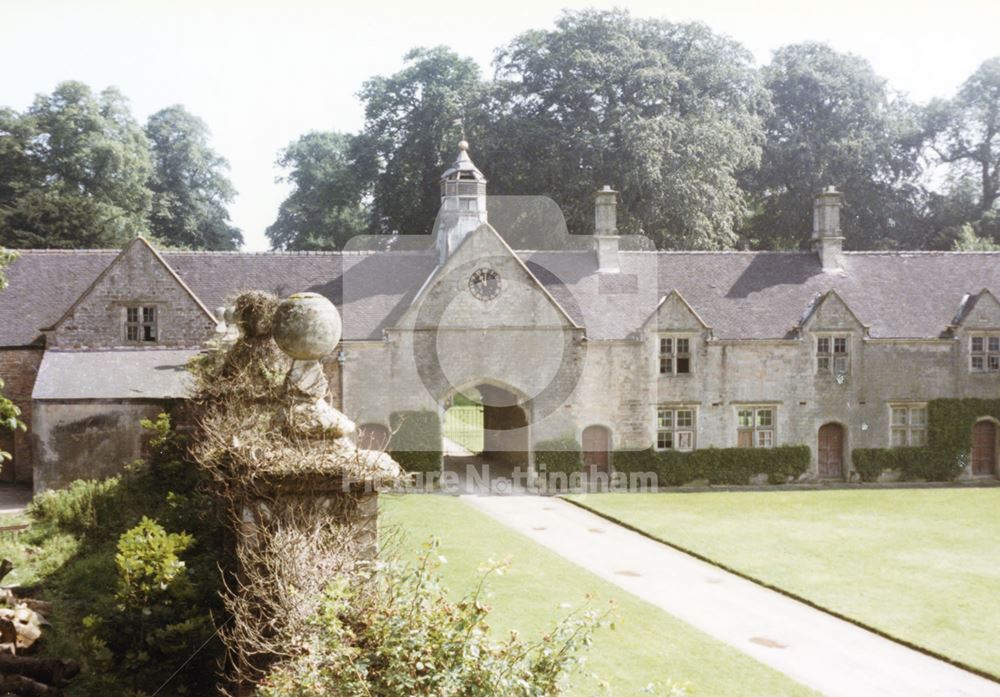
(18, 368)
(137, 277)
(87, 440)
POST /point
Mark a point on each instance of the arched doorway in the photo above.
(373, 437)
(596, 450)
(984, 448)
(485, 432)
(831, 451)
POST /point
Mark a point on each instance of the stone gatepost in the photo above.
(308, 510)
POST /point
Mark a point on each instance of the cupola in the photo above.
(463, 202)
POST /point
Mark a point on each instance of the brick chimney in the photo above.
(828, 242)
(606, 230)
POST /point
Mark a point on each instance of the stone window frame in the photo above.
(912, 431)
(827, 357)
(145, 322)
(668, 361)
(688, 432)
(761, 434)
(984, 350)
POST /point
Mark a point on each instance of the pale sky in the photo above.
(262, 73)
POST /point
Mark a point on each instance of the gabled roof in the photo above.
(830, 296)
(501, 244)
(748, 295)
(144, 246)
(674, 294)
(970, 303)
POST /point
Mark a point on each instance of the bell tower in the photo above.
(463, 203)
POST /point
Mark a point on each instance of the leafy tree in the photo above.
(834, 121)
(968, 241)
(964, 136)
(410, 134)
(326, 207)
(189, 185)
(667, 113)
(10, 413)
(76, 166)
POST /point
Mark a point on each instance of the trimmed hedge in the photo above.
(911, 463)
(415, 442)
(949, 442)
(717, 465)
(559, 455)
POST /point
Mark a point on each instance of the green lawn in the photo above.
(922, 565)
(647, 645)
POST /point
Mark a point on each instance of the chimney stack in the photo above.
(828, 242)
(606, 230)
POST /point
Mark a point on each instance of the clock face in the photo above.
(484, 284)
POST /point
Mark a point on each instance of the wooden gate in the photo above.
(831, 451)
(596, 450)
(984, 448)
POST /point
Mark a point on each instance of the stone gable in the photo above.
(138, 277)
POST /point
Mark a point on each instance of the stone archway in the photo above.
(502, 443)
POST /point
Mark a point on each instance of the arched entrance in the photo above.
(485, 432)
(984, 448)
(596, 450)
(831, 451)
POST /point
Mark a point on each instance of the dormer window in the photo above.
(984, 353)
(675, 355)
(832, 355)
(140, 324)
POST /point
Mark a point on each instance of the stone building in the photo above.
(586, 338)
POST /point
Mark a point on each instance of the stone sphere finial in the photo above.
(307, 326)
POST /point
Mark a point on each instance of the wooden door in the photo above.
(984, 448)
(596, 447)
(831, 451)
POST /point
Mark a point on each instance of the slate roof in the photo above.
(138, 374)
(749, 295)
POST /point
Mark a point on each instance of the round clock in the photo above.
(484, 284)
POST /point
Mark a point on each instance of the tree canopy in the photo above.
(833, 121)
(79, 171)
(188, 183)
(78, 165)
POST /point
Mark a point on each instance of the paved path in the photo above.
(829, 655)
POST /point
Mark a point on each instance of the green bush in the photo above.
(142, 584)
(84, 506)
(949, 442)
(559, 455)
(415, 442)
(716, 465)
(913, 464)
(396, 633)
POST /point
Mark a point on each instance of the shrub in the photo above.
(415, 442)
(139, 592)
(949, 440)
(716, 465)
(395, 633)
(912, 463)
(559, 455)
(84, 506)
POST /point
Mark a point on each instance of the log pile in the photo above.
(21, 626)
